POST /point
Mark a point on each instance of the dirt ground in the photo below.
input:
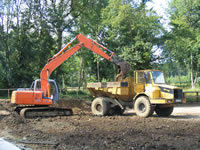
(85, 131)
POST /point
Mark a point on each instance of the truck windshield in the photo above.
(158, 77)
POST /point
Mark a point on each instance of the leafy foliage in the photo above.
(182, 43)
(134, 30)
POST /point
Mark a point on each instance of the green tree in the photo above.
(134, 31)
(26, 43)
(89, 23)
(183, 41)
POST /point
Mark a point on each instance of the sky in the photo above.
(160, 7)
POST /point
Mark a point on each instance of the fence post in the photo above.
(197, 98)
(77, 90)
(8, 93)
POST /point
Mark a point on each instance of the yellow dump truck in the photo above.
(146, 92)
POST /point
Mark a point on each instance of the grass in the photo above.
(190, 89)
(76, 94)
(4, 97)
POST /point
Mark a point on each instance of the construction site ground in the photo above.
(85, 131)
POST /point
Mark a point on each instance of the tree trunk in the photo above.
(98, 70)
(192, 80)
(80, 72)
(63, 81)
(59, 47)
(192, 73)
(84, 79)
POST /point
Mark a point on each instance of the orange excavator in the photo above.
(37, 101)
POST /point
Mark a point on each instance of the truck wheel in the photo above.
(100, 106)
(164, 111)
(143, 107)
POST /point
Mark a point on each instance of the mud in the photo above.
(85, 131)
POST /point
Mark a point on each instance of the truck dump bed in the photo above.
(119, 90)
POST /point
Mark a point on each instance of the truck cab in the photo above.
(152, 84)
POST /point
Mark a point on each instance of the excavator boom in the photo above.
(63, 55)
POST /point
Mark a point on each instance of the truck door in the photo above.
(139, 82)
(148, 81)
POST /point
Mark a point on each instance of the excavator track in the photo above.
(34, 112)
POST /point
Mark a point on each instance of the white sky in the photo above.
(160, 7)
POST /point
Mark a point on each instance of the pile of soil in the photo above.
(78, 106)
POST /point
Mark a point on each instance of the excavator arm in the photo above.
(63, 55)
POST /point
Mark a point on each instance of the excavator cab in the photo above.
(53, 88)
(38, 102)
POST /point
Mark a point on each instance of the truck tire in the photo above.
(143, 107)
(164, 111)
(100, 106)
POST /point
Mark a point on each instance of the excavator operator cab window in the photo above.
(32, 86)
(35, 86)
(38, 86)
(147, 77)
(52, 89)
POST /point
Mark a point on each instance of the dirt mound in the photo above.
(77, 105)
(9, 119)
(9, 116)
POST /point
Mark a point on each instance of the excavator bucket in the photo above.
(123, 68)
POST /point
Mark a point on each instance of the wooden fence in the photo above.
(194, 95)
(7, 92)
